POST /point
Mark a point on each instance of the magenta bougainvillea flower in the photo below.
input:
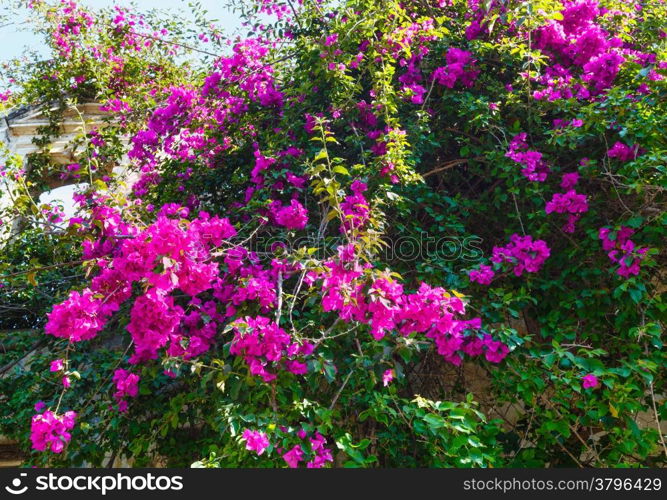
(50, 431)
(570, 203)
(590, 381)
(569, 180)
(77, 318)
(263, 344)
(622, 152)
(293, 457)
(255, 441)
(483, 274)
(460, 68)
(622, 250)
(57, 365)
(522, 253)
(292, 216)
(534, 167)
(387, 377)
(127, 385)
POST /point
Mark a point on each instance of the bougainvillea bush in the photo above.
(418, 233)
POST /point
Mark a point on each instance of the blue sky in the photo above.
(13, 39)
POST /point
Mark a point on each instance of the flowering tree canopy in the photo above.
(369, 233)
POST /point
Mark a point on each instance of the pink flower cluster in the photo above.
(386, 308)
(460, 68)
(622, 250)
(559, 123)
(49, 431)
(246, 280)
(483, 275)
(76, 319)
(355, 208)
(482, 16)
(601, 70)
(415, 36)
(277, 8)
(387, 377)
(73, 21)
(578, 46)
(154, 321)
(106, 224)
(317, 442)
(590, 381)
(255, 441)
(262, 343)
(292, 216)
(494, 351)
(174, 130)
(127, 385)
(622, 152)
(524, 253)
(534, 167)
(568, 203)
(313, 446)
(170, 254)
(569, 180)
(58, 366)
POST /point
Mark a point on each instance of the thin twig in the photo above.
(340, 390)
(657, 419)
(44, 268)
(279, 308)
(516, 206)
(446, 166)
